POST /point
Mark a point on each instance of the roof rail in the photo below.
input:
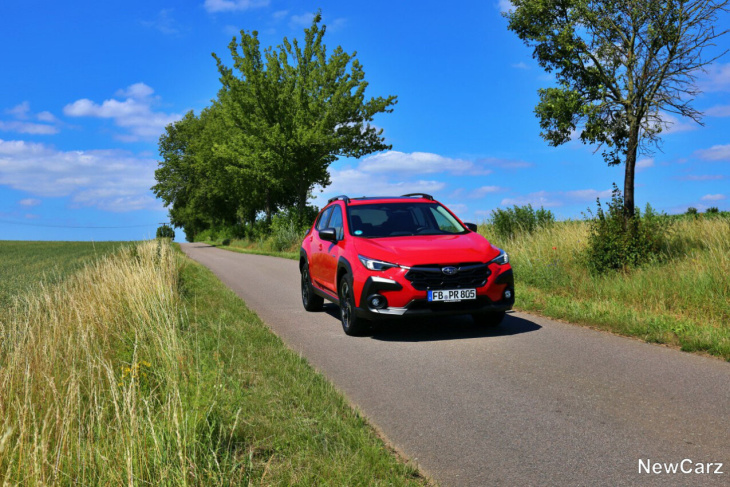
(339, 197)
(420, 195)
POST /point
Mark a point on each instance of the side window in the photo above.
(336, 222)
(322, 222)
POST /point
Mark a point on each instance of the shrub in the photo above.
(619, 242)
(712, 209)
(691, 210)
(520, 219)
(165, 231)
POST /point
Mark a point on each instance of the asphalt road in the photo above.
(536, 402)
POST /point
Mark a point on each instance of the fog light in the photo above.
(508, 294)
(376, 301)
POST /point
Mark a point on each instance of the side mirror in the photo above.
(329, 234)
(471, 226)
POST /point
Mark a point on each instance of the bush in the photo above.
(520, 219)
(691, 211)
(712, 209)
(618, 242)
(165, 231)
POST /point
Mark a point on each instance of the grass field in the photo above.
(684, 301)
(143, 368)
(24, 265)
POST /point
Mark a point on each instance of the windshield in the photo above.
(401, 219)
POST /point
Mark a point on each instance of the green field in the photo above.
(145, 369)
(24, 265)
(682, 300)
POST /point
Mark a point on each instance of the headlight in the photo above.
(501, 259)
(376, 265)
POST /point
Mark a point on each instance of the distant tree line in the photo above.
(281, 117)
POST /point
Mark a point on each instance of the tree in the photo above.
(191, 178)
(291, 112)
(621, 66)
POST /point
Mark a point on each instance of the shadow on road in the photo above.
(439, 328)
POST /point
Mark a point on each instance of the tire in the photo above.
(351, 323)
(311, 301)
(488, 320)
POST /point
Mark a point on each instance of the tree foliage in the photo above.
(620, 66)
(281, 117)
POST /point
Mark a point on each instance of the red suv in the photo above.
(386, 257)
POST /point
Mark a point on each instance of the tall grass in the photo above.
(143, 368)
(684, 300)
(92, 379)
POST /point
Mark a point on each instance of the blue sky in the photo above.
(87, 88)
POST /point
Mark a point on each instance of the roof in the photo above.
(420, 197)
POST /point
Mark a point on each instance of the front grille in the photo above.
(469, 275)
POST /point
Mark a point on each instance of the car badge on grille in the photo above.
(449, 271)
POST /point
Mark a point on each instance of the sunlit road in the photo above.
(536, 402)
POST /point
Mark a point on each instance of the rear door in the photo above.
(317, 246)
(331, 251)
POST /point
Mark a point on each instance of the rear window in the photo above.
(402, 219)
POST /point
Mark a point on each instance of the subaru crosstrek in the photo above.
(406, 256)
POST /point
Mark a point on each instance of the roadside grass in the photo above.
(23, 265)
(683, 302)
(257, 248)
(143, 368)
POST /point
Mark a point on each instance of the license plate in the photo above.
(452, 295)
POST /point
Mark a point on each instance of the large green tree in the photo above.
(620, 66)
(291, 111)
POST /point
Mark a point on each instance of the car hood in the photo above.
(428, 249)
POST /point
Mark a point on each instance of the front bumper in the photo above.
(422, 307)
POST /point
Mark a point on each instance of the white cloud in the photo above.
(137, 91)
(645, 163)
(505, 6)
(520, 65)
(715, 153)
(503, 163)
(713, 197)
(110, 180)
(29, 202)
(20, 111)
(588, 194)
(28, 128)
(301, 21)
(417, 163)
(47, 117)
(164, 23)
(214, 6)
(716, 79)
(539, 198)
(718, 111)
(134, 113)
(674, 125)
(485, 190)
(20, 125)
(701, 177)
(557, 198)
(280, 14)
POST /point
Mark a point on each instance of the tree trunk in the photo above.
(630, 170)
(268, 206)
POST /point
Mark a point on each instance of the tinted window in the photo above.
(322, 223)
(336, 222)
(401, 219)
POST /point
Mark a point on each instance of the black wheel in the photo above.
(311, 301)
(351, 323)
(488, 320)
